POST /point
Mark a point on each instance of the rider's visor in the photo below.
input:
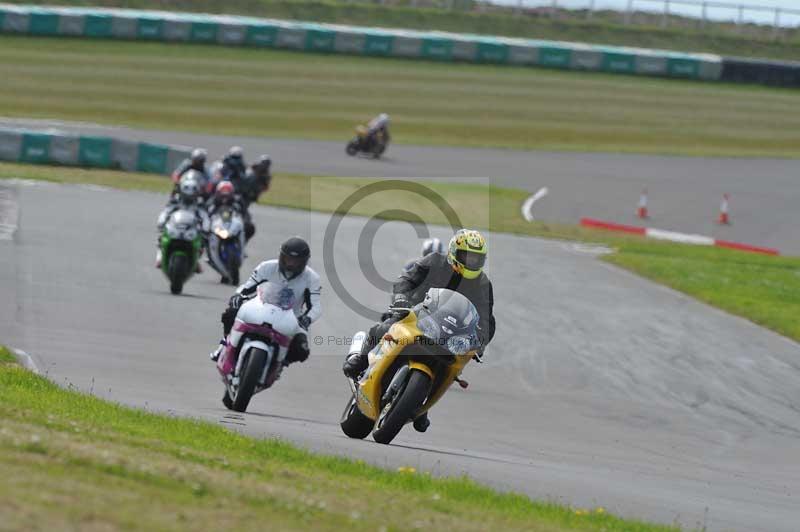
(471, 260)
(293, 264)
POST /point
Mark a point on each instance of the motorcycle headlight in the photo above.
(222, 233)
(459, 345)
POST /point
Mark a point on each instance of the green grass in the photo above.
(723, 39)
(72, 461)
(6, 356)
(285, 94)
(765, 290)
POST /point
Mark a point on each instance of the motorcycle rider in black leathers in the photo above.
(196, 162)
(460, 270)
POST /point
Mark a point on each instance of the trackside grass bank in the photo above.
(255, 92)
(606, 28)
(765, 290)
(72, 461)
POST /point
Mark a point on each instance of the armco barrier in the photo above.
(332, 38)
(779, 73)
(53, 147)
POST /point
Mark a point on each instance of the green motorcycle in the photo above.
(181, 244)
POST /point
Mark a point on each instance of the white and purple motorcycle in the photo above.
(226, 244)
(256, 347)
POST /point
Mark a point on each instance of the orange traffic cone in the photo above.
(724, 216)
(641, 212)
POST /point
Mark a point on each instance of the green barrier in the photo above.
(683, 68)
(489, 52)
(150, 28)
(261, 35)
(203, 32)
(320, 40)
(439, 49)
(43, 24)
(35, 148)
(97, 26)
(619, 63)
(378, 44)
(152, 158)
(95, 151)
(319, 37)
(555, 57)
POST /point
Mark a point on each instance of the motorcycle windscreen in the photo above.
(181, 225)
(277, 295)
(449, 320)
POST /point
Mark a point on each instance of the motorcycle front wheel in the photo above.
(402, 407)
(178, 272)
(351, 148)
(355, 424)
(253, 368)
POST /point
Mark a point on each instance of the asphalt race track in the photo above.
(685, 192)
(600, 388)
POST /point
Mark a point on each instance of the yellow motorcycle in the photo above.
(412, 366)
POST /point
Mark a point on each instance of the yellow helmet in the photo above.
(467, 253)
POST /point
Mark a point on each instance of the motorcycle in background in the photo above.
(258, 343)
(226, 244)
(369, 145)
(181, 244)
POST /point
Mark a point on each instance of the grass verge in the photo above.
(241, 91)
(72, 461)
(765, 290)
(606, 28)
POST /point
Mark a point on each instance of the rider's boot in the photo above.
(214, 356)
(356, 363)
(422, 423)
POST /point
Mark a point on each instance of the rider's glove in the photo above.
(400, 307)
(304, 321)
(236, 300)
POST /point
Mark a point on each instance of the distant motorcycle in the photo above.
(257, 345)
(226, 244)
(369, 145)
(181, 243)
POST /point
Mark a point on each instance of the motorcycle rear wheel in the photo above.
(402, 407)
(355, 424)
(253, 368)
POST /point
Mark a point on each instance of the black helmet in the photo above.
(294, 257)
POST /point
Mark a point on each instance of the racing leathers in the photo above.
(201, 216)
(306, 287)
(430, 271)
(186, 166)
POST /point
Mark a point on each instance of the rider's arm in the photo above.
(486, 324)
(262, 273)
(411, 278)
(312, 294)
(164, 216)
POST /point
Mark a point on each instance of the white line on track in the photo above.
(527, 207)
(26, 360)
(9, 214)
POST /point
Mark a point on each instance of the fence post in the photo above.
(590, 12)
(705, 14)
(741, 14)
(554, 9)
(629, 12)
(776, 28)
(665, 18)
